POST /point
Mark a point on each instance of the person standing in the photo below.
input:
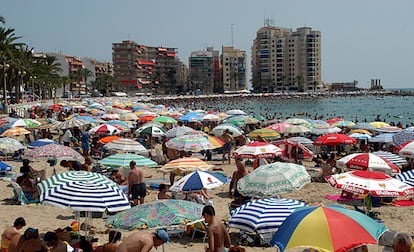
(67, 137)
(218, 236)
(85, 143)
(228, 140)
(11, 233)
(136, 183)
(143, 241)
(240, 172)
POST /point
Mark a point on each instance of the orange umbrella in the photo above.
(108, 139)
(217, 142)
(147, 118)
(15, 131)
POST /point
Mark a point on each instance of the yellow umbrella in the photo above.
(361, 131)
(15, 131)
(265, 133)
(379, 124)
(185, 164)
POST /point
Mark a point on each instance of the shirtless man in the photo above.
(218, 236)
(11, 233)
(228, 140)
(143, 241)
(238, 174)
(54, 243)
(136, 183)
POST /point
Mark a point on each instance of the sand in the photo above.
(49, 218)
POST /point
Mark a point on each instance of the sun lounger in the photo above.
(20, 197)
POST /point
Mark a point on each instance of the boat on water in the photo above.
(380, 98)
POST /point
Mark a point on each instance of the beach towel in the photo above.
(403, 203)
(338, 198)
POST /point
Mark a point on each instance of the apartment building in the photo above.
(286, 60)
(234, 63)
(146, 68)
(201, 72)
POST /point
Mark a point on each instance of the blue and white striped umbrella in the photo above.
(263, 215)
(406, 177)
(393, 158)
(87, 196)
(198, 180)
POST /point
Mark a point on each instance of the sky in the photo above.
(361, 39)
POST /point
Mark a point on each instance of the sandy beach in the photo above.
(48, 218)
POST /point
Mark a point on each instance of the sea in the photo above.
(388, 108)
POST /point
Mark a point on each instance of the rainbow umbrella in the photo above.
(162, 213)
(330, 228)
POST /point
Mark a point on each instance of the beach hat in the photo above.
(163, 235)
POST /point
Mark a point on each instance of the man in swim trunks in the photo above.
(228, 140)
(218, 236)
(11, 233)
(136, 184)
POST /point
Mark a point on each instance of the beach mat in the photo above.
(403, 203)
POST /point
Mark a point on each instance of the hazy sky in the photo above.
(361, 39)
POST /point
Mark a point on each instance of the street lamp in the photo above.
(5, 67)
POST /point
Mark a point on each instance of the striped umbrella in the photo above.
(395, 159)
(87, 196)
(407, 177)
(193, 142)
(71, 176)
(53, 151)
(198, 180)
(185, 164)
(73, 122)
(265, 133)
(382, 138)
(330, 228)
(263, 215)
(10, 145)
(123, 160)
(15, 131)
(219, 130)
(106, 128)
(126, 145)
(273, 179)
(258, 150)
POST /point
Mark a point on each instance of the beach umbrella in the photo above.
(334, 139)
(97, 106)
(296, 129)
(119, 123)
(296, 121)
(325, 130)
(123, 160)
(382, 138)
(70, 176)
(108, 139)
(198, 180)
(327, 228)
(217, 142)
(165, 119)
(211, 118)
(407, 150)
(157, 214)
(360, 131)
(26, 123)
(87, 196)
(53, 151)
(379, 124)
(186, 164)
(15, 131)
(5, 167)
(265, 133)
(343, 124)
(106, 129)
(71, 123)
(367, 162)
(41, 142)
(191, 117)
(234, 130)
(393, 158)
(258, 150)
(299, 140)
(187, 142)
(126, 145)
(235, 112)
(87, 118)
(389, 129)
(334, 120)
(263, 215)
(360, 136)
(365, 126)
(377, 184)
(402, 137)
(10, 145)
(406, 177)
(128, 117)
(108, 117)
(151, 130)
(178, 131)
(273, 179)
(279, 127)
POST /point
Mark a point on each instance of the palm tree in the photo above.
(84, 74)
(300, 80)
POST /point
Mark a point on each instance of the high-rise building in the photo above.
(153, 69)
(201, 69)
(217, 82)
(234, 63)
(283, 59)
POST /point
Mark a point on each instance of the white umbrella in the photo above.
(126, 145)
(407, 151)
(296, 129)
(325, 130)
(235, 112)
(367, 161)
(178, 131)
(234, 130)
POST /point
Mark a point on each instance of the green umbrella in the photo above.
(123, 160)
(164, 119)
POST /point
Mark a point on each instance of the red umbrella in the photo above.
(399, 147)
(367, 161)
(334, 120)
(147, 118)
(334, 139)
